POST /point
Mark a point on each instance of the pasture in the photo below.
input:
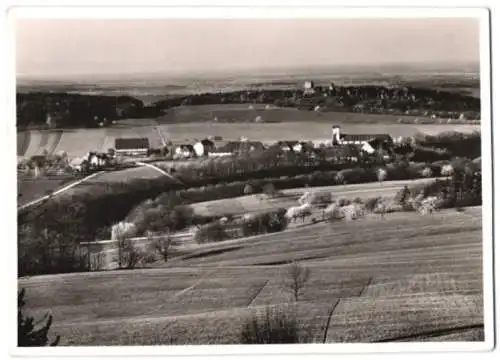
(29, 189)
(400, 278)
(247, 113)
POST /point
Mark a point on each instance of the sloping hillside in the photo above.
(403, 277)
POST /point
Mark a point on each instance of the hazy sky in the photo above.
(46, 47)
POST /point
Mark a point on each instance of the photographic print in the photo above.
(259, 178)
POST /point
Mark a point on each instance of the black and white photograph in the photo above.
(254, 178)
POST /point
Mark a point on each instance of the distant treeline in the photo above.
(77, 110)
(370, 99)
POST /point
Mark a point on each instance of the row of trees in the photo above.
(77, 110)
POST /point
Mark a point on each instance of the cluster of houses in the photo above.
(92, 161)
(340, 142)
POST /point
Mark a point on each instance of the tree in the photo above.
(296, 278)
(447, 170)
(269, 189)
(248, 189)
(381, 174)
(426, 172)
(162, 245)
(129, 255)
(26, 333)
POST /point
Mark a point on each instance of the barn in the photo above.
(368, 142)
(132, 146)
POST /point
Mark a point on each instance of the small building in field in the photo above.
(132, 146)
(368, 142)
(204, 147)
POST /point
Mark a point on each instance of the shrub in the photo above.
(27, 336)
(269, 189)
(343, 202)
(248, 189)
(381, 174)
(447, 170)
(275, 326)
(426, 172)
(213, 232)
(371, 203)
(129, 255)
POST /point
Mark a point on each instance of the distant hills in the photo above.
(349, 70)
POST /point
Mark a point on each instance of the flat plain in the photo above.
(406, 276)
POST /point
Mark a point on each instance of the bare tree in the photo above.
(128, 254)
(162, 245)
(96, 261)
(296, 278)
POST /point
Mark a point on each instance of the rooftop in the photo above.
(131, 143)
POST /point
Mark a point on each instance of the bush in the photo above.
(213, 232)
(27, 336)
(372, 203)
(269, 189)
(248, 190)
(275, 326)
(266, 222)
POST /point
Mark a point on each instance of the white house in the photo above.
(368, 142)
(203, 147)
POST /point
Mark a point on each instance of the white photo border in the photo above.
(282, 12)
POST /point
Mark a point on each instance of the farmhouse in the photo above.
(288, 145)
(367, 142)
(237, 148)
(185, 151)
(132, 146)
(204, 147)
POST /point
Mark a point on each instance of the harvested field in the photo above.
(404, 277)
(78, 142)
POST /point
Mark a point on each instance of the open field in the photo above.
(299, 130)
(300, 126)
(403, 277)
(31, 189)
(245, 113)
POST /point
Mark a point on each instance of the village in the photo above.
(340, 147)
